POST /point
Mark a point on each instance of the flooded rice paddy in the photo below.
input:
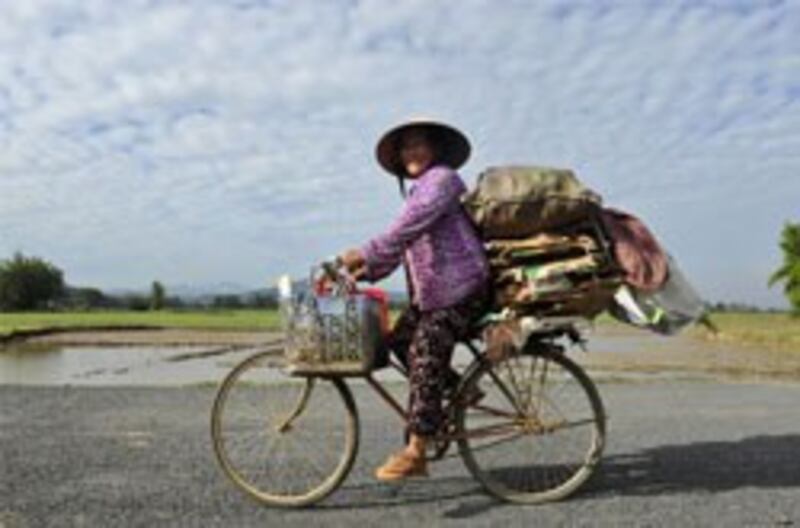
(115, 365)
(628, 352)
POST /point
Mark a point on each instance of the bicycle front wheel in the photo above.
(286, 441)
(538, 432)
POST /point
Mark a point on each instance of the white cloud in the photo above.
(209, 141)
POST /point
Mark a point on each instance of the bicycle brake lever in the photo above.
(330, 268)
(576, 339)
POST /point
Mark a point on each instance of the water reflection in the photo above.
(29, 363)
(48, 364)
(76, 365)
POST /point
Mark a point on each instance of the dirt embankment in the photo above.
(150, 336)
(619, 349)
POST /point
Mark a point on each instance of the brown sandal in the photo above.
(400, 466)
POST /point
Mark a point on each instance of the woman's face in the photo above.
(416, 152)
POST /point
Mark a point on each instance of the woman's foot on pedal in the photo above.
(402, 465)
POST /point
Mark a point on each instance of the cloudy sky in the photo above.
(214, 141)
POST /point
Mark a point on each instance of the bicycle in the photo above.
(529, 427)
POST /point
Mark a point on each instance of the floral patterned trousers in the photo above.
(423, 342)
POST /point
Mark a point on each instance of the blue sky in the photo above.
(210, 141)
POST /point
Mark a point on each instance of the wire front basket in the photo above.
(339, 330)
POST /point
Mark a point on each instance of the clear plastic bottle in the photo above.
(288, 309)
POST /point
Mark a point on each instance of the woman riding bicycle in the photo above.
(447, 269)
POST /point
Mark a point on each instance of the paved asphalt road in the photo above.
(680, 453)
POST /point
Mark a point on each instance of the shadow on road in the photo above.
(415, 491)
(759, 461)
(464, 493)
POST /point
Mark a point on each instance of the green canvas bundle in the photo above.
(520, 201)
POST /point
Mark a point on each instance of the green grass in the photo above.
(206, 320)
(774, 330)
(767, 329)
(777, 330)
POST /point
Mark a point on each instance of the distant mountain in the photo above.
(205, 293)
(196, 291)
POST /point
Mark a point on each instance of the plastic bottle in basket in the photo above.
(297, 322)
(285, 299)
(286, 303)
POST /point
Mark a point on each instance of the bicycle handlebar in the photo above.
(333, 270)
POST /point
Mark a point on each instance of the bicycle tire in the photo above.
(545, 471)
(307, 420)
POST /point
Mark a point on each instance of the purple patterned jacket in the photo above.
(445, 254)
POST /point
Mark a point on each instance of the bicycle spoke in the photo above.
(531, 377)
(513, 377)
(283, 443)
(542, 382)
(493, 411)
(481, 432)
(499, 441)
(504, 390)
(545, 452)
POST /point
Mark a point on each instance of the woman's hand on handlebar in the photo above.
(354, 262)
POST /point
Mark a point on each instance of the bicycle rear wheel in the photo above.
(538, 432)
(286, 441)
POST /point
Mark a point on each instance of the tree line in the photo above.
(30, 283)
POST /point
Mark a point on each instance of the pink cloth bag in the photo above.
(636, 250)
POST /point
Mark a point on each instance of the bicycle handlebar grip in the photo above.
(331, 268)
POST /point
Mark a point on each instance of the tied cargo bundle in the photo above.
(552, 275)
(549, 254)
(554, 251)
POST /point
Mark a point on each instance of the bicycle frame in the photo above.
(478, 358)
(384, 394)
(391, 401)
